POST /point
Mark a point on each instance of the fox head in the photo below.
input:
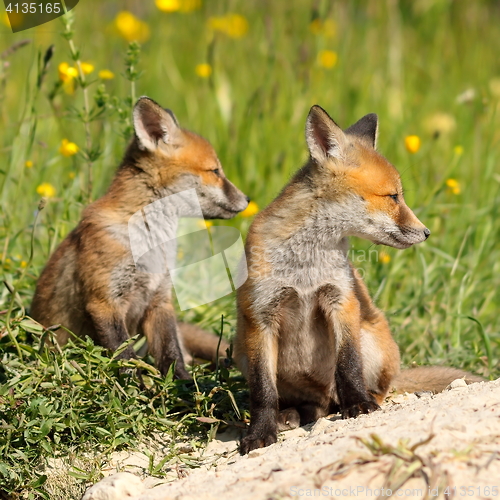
(359, 184)
(178, 160)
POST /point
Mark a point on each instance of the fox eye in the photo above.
(216, 171)
(394, 197)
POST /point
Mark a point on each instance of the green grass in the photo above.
(407, 61)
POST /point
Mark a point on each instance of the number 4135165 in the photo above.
(34, 8)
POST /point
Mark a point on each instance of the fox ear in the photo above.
(325, 139)
(366, 129)
(152, 124)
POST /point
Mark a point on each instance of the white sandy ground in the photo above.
(461, 458)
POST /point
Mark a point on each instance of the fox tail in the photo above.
(200, 344)
(431, 378)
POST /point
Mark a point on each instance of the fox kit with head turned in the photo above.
(309, 339)
(91, 284)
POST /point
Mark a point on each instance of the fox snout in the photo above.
(222, 202)
(408, 229)
(407, 236)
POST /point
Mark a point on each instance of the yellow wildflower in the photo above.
(46, 190)
(168, 5)
(204, 224)
(8, 261)
(67, 75)
(203, 70)
(67, 72)
(72, 175)
(453, 186)
(29, 164)
(68, 148)
(458, 150)
(178, 5)
(24, 263)
(326, 27)
(233, 25)
(131, 28)
(105, 74)
(384, 257)
(251, 210)
(412, 143)
(87, 68)
(327, 58)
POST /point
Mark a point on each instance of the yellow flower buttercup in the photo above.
(168, 5)
(233, 25)
(105, 74)
(178, 5)
(46, 190)
(412, 143)
(327, 58)
(453, 186)
(203, 70)
(384, 257)
(67, 72)
(204, 224)
(67, 75)
(131, 28)
(29, 164)
(458, 150)
(87, 68)
(251, 210)
(68, 148)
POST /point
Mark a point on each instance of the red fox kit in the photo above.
(309, 339)
(91, 284)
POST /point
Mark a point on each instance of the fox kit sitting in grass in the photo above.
(309, 339)
(91, 284)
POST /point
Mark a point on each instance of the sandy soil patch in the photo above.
(433, 446)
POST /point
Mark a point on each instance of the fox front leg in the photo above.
(160, 328)
(343, 318)
(262, 355)
(110, 328)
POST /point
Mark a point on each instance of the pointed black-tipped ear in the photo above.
(366, 129)
(325, 139)
(152, 124)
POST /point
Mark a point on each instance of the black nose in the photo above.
(248, 199)
(426, 233)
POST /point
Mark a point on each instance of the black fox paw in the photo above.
(357, 409)
(252, 442)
